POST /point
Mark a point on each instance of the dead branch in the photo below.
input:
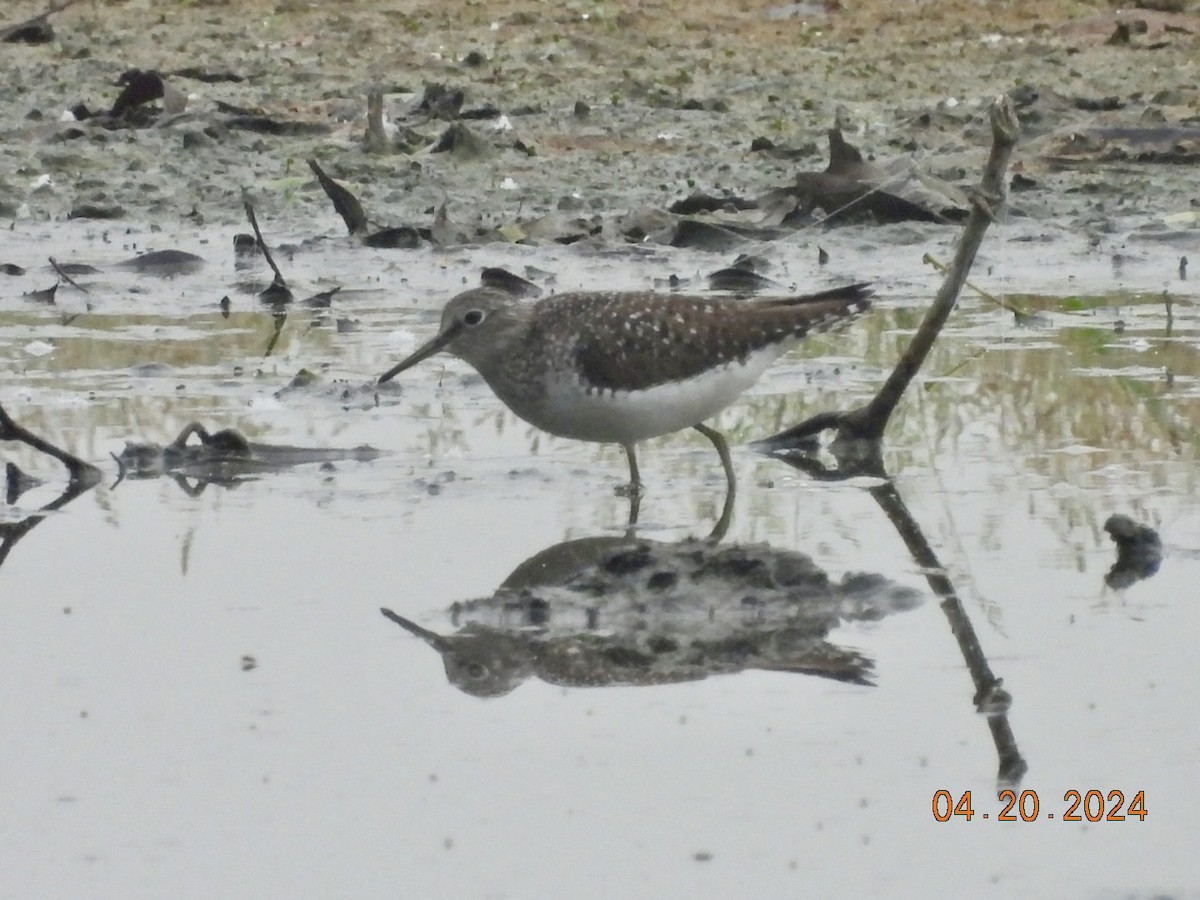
(82, 473)
(278, 292)
(65, 277)
(868, 423)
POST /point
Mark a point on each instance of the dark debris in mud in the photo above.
(224, 456)
(36, 30)
(530, 111)
(1139, 551)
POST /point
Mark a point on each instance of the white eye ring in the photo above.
(473, 317)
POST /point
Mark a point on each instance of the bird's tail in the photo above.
(853, 296)
(814, 313)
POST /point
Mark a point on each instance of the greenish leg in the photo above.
(718, 441)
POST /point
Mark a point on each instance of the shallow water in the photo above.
(202, 689)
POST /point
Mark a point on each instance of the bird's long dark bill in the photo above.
(423, 353)
(432, 638)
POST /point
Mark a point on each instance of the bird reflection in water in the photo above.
(611, 611)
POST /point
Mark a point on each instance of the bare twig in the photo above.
(65, 277)
(1023, 317)
(82, 473)
(868, 423)
(279, 290)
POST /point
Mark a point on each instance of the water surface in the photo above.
(202, 691)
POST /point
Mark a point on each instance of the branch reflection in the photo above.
(863, 458)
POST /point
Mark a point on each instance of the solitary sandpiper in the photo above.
(621, 367)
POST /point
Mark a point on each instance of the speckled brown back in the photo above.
(634, 341)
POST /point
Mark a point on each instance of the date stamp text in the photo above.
(1026, 806)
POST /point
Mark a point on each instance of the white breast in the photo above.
(568, 409)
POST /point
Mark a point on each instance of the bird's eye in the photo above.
(473, 317)
(476, 671)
